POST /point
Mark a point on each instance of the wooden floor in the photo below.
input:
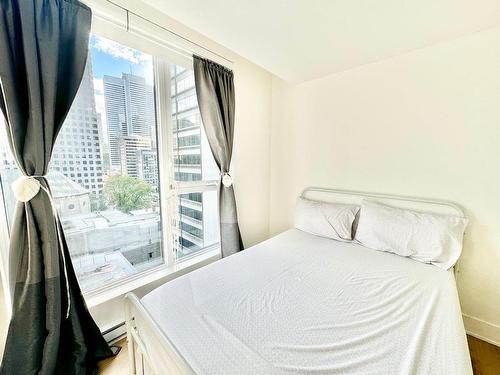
(116, 365)
(485, 359)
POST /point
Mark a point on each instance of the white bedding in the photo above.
(299, 303)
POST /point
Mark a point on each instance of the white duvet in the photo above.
(299, 303)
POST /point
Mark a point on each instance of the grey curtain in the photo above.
(43, 51)
(215, 93)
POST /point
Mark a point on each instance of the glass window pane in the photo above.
(104, 171)
(196, 223)
(104, 168)
(192, 157)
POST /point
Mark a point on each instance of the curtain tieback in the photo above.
(227, 180)
(26, 188)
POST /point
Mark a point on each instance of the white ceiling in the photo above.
(299, 40)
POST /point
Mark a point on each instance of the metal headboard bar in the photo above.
(439, 202)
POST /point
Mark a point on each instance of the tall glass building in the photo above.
(129, 103)
(192, 162)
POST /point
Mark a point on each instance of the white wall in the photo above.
(251, 160)
(426, 123)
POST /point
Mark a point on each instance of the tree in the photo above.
(128, 193)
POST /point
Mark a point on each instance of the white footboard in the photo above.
(149, 349)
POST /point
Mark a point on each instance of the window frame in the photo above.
(173, 188)
(145, 37)
(169, 188)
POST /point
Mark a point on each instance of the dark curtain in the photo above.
(215, 93)
(43, 52)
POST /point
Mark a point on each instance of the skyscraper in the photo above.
(129, 103)
(116, 119)
(130, 147)
(139, 105)
(77, 153)
(192, 162)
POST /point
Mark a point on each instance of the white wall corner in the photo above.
(482, 329)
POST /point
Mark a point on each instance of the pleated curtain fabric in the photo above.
(43, 52)
(215, 94)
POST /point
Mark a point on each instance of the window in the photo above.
(193, 167)
(154, 201)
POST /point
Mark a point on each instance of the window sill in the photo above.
(102, 295)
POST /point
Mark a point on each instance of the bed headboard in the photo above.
(436, 206)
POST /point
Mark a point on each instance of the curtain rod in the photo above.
(167, 30)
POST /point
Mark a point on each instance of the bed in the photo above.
(299, 303)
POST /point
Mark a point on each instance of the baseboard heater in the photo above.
(115, 334)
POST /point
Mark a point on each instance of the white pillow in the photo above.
(331, 220)
(428, 238)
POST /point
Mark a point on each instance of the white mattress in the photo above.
(299, 303)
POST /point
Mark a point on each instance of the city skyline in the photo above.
(105, 170)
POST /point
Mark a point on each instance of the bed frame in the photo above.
(149, 349)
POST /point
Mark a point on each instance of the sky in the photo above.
(112, 59)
